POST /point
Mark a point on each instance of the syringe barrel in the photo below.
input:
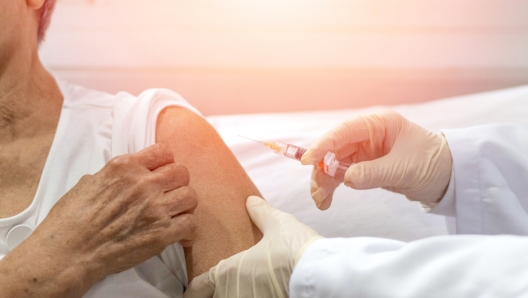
(294, 152)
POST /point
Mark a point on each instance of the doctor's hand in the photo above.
(265, 269)
(387, 151)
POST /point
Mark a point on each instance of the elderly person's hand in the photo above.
(128, 212)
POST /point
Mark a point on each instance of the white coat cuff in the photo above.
(447, 206)
(303, 278)
(467, 200)
(330, 264)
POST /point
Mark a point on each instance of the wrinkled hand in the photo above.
(128, 212)
(389, 151)
(265, 269)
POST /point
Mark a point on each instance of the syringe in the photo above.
(330, 165)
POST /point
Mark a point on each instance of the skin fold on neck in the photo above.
(30, 100)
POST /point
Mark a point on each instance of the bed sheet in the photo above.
(376, 213)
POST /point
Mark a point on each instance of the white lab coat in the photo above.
(488, 195)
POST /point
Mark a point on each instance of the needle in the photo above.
(250, 139)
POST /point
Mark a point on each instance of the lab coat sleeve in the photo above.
(488, 194)
(447, 266)
(488, 191)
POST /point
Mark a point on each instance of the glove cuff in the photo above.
(443, 169)
(303, 249)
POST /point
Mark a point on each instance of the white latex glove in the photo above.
(265, 269)
(388, 151)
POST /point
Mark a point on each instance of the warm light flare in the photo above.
(276, 12)
(236, 56)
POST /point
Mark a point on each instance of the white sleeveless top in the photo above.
(93, 128)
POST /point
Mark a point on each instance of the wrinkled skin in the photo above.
(109, 222)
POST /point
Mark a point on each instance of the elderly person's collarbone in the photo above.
(21, 166)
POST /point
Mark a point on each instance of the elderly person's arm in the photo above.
(109, 222)
(222, 185)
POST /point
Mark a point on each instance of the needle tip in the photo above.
(250, 139)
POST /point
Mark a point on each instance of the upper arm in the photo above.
(222, 185)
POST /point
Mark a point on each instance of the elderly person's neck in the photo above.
(30, 101)
(30, 105)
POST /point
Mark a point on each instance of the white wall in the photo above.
(237, 56)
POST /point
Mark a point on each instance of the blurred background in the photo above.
(256, 56)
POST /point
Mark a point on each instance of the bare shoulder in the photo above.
(189, 135)
(222, 185)
(182, 122)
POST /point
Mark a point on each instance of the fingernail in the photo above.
(319, 205)
(324, 205)
(348, 179)
(305, 160)
(317, 196)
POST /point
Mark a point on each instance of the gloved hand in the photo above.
(388, 151)
(265, 269)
